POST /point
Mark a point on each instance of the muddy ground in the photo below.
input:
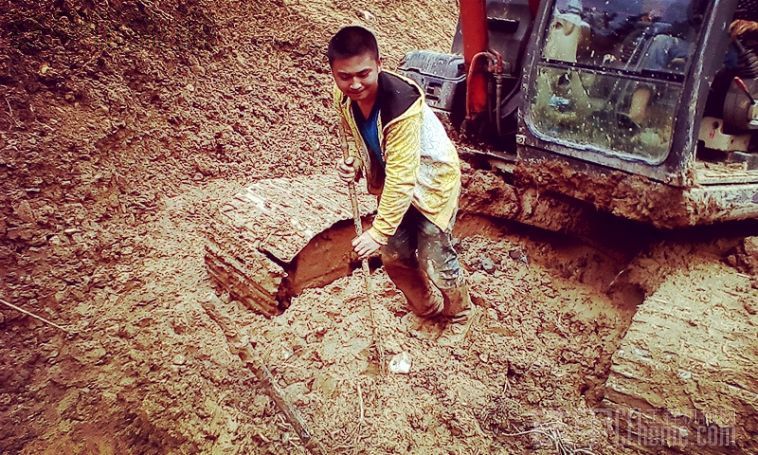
(123, 126)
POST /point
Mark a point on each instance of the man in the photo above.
(671, 50)
(397, 143)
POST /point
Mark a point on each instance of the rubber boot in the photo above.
(415, 287)
(457, 301)
(462, 313)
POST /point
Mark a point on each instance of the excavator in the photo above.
(556, 91)
(588, 118)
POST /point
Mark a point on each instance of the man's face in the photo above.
(357, 77)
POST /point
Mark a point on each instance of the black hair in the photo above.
(352, 41)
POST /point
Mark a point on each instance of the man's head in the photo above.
(354, 58)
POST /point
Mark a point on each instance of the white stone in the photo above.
(401, 363)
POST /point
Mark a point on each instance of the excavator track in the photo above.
(279, 236)
(684, 376)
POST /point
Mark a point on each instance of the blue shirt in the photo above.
(369, 129)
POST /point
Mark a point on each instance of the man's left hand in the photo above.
(365, 245)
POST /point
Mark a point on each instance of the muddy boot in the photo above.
(457, 300)
(415, 287)
(459, 327)
(419, 327)
(462, 313)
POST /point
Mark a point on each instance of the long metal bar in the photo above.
(367, 284)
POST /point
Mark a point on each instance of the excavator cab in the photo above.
(590, 98)
(607, 80)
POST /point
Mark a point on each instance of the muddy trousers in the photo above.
(420, 255)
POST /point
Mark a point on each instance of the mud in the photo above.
(493, 193)
(524, 349)
(125, 126)
(629, 196)
(709, 326)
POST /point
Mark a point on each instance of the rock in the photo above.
(750, 244)
(487, 265)
(297, 393)
(477, 277)
(259, 405)
(24, 211)
(367, 16)
(178, 360)
(400, 363)
(24, 233)
(127, 332)
(518, 254)
(326, 384)
(96, 354)
(198, 69)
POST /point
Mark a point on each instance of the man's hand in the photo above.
(365, 245)
(740, 26)
(347, 170)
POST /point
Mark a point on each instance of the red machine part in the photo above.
(474, 29)
(534, 6)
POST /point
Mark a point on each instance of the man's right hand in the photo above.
(347, 170)
(740, 27)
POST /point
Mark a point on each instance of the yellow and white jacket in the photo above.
(422, 166)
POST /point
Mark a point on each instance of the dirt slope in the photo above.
(110, 110)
